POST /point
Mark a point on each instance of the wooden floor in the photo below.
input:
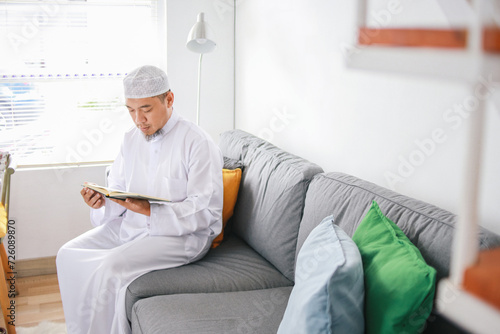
(38, 300)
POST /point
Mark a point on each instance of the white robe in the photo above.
(183, 165)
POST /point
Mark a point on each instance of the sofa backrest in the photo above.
(348, 199)
(271, 197)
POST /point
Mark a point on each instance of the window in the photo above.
(61, 70)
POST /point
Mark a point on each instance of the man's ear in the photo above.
(169, 99)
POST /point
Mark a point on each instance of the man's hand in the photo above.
(93, 199)
(137, 205)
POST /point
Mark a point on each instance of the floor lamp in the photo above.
(200, 40)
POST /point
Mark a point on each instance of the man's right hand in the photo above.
(93, 199)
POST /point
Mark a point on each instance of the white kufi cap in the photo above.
(145, 81)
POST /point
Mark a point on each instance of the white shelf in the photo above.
(421, 61)
(466, 310)
(451, 64)
(471, 60)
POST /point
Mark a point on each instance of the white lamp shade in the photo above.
(200, 38)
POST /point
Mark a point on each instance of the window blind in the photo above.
(61, 68)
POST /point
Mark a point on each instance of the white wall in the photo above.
(293, 88)
(47, 208)
(46, 203)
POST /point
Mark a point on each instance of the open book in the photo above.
(119, 194)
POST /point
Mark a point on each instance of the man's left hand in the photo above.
(137, 205)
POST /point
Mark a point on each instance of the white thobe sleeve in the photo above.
(202, 207)
(111, 210)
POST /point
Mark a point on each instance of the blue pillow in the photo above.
(328, 296)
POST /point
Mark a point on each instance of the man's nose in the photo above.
(139, 117)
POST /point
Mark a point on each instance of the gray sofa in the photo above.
(243, 285)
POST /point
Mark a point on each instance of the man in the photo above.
(163, 156)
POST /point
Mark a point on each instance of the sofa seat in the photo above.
(258, 311)
(233, 266)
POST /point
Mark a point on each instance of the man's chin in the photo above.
(149, 135)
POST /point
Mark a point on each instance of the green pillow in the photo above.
(399, 285)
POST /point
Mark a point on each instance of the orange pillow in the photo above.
(231, 179)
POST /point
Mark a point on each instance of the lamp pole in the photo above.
(199, 91)
(200, 40)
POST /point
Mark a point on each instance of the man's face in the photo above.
(149, 114)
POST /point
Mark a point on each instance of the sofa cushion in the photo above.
(232, 312)
(328, 296)
(348, 199)
(232, 266)
(234, 144)
(230, 163)
(271, 197)
(399, 284)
